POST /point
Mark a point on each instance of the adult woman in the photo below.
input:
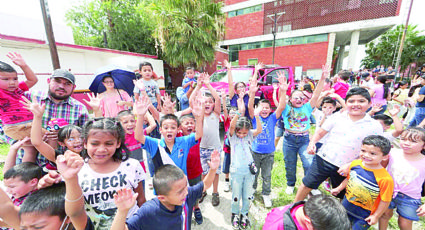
(113, 100)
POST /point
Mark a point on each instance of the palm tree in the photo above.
(187, 31)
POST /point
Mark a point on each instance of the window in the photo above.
(252, 61)
(243, 11)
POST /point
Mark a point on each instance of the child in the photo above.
(189, 79)
(211, 132)
(107, 169)
(128, 122)
(241, 137)
(151, 87)
(69, 136)
(317, 213)
(194, 167)
(341, 87)
(296, 116)
(228, 116)
(280, 126)
(369, 185)
(21, 180)
(169, 149)
(367, 81)
(16, 120)
(386, 121)
(263, 147)
(172, 208)
(406, 166)
(346, 130)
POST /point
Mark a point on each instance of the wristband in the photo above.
(237, 113)
(66, 199)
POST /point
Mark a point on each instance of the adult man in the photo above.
(59, 104)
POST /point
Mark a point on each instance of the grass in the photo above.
(4, 149)
(279, 186)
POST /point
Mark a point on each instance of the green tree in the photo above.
(188, 31)
(383, 50)
(123, 25)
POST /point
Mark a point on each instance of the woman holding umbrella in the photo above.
(113, 100)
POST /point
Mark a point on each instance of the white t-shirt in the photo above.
(99, 188)
(211, 137)
(345, 137)
(318, 115)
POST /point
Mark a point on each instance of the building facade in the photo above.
(306, 33)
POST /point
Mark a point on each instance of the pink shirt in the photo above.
(341, 89)
(131, 142)
(408, 176)
(11, 111)
(109, 105)
(379, 95)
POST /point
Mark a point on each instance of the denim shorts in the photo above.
(205, 155)
(406, 206)
(226, 163)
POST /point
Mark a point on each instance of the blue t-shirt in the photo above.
(185, 81)
(421, 92)
(241, 153)
(179, 153)
(182, 97)
(297, 119)
(154, 215)
(264, 142)
(234, 102)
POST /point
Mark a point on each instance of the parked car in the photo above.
(267, 76)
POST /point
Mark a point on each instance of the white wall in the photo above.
(83, 63)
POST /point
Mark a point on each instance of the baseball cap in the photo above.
(63, 73)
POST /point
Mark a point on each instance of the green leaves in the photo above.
(384, 49)
(188, 30)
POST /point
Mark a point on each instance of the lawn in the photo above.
(4, 149)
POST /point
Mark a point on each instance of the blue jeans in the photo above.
(418, 117)
(356, 215)
(241, 191)
(293, 145)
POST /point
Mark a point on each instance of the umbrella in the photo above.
(123, 79)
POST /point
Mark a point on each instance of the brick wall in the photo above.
(245, 25)
(309, 56)
(219, 58)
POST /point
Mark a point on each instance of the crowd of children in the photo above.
(95, 169)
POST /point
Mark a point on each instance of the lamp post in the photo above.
(274, 17)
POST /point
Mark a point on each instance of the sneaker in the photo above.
(198, 216)
(235, 221)
(244, 222)
(315, 192)
(267, 201)
(226, 186)
(327, 186)
(289, 190)
(215, 200)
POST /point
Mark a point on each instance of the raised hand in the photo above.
(227, 64)
(376, 108)
(125, 199)
(241, 103)
(17, 59)
(53, 177)
(253, 86)
(69, 164)
(34, 107)
(141, 106)
(326, 70)
(139, 84)
(259, 66)
(214, 162)
(394, 110)
(206, 79)
(198, 107)
(258, 110)
(94, 101)
(283, 83)
(21, 143)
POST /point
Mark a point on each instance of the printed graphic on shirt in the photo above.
(403, 173)
(151, 90)
(297, 121)
(99, 190)
(264, 137)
